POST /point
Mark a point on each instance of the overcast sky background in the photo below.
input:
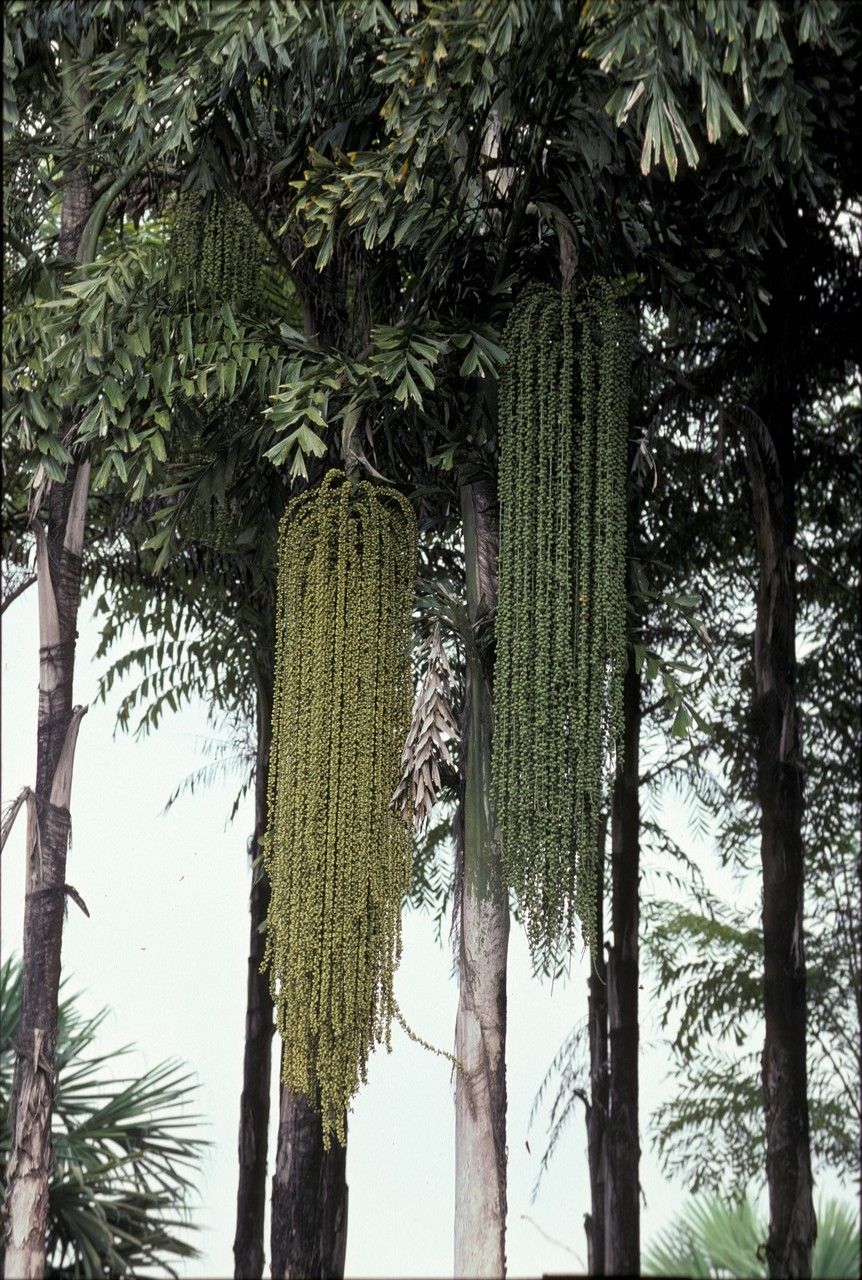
(165, 948)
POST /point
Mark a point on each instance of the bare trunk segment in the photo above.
(58, 553)
(597, 1109)
(259, 1028)
(792, 1225)
(622, 1203)
(480, 1030)
(309, 1197)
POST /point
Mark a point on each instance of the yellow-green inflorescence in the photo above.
(561, 619)
(216, 241)
(337, 855)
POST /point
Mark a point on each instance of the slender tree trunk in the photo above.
(622, 1202)
(480, 1030)
(309, 1197)
(775, 723)
(49, 822)
(58, 568)
(308, 1231)
(792, 1225)
(259, 1027)
(597, 1109)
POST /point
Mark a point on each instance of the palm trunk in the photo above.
(49, 823)
(597, 1109)
(792, 1226)
(480, 1030)
(622, 1204)
(259, 1027)
(309, 1197)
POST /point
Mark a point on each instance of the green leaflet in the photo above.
(336, 853)
(561, 616)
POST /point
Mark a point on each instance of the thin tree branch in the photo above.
(19, 591)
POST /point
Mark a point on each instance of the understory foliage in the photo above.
(337, 854)
(561, 620)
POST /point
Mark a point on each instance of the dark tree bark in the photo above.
(597, 1107)
(259, 1027)
(622, 1195)
(778, 379)
(792, 1225)
(309, 1197)
(480, 1030)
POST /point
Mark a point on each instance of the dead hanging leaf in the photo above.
(432, 729)
(26, 795)
(72, 892)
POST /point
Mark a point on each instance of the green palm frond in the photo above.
(713, 1238)
(709, 1238)
(125, 1150)
(837, 1248)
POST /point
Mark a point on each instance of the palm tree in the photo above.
(711, 1239)
(124, 1151)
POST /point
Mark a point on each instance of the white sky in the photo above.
(166, 948)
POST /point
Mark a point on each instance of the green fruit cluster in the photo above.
(217, 243)
(561, 618)
(211, 524)
(337, 855)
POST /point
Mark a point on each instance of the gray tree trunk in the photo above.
(480, 1030)
(48, 826)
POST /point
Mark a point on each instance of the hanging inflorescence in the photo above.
(561, 618)
(217, 243)
(337, 855)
